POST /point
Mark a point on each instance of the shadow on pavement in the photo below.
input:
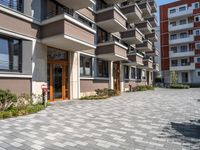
(187, 133)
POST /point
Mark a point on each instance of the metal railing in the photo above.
(72, 14)
(18, 5)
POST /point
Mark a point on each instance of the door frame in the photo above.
(51, 88)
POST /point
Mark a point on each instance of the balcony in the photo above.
(153, 53)
(153, 5)
(180, 27)
(153, 37)
(67, 33)
(146, 46)
(145, 27)
(111, 20)
(156, 67)
(183, 67)
(75, 4)
(114, 1)
(146, 9)
(187, 12)
(148, 64)
(153, 21)
(188, 39)
(132, 36)
(112, 51)
(181, 54)
(132, 12)
(135, 59)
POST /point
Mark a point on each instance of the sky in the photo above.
(162, 2)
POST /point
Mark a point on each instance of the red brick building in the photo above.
(180, 40)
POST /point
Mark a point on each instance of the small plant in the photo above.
(179, 86)
(101, 94)
(142, 88)
(7, 99)
(174, 78)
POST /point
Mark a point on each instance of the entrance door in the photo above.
(116, 76)
(57, 81)
(184, 77)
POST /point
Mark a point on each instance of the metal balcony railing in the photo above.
(15, 5)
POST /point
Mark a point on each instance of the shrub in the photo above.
(13, 112)
(7, 99)
(142, 88)
(101, 94)
(23, 100)
(179, 86)
(106, 92)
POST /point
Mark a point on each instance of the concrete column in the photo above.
(74, 65)
(39, 67)
(111, 86)
(122, 77)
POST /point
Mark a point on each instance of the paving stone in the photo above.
(163, 119)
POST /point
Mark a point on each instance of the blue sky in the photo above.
(162, 2)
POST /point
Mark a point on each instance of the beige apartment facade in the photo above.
(76, 49)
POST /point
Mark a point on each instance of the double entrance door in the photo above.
(57, 79)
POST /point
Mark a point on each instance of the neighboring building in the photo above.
(76, 46)
(180, 40)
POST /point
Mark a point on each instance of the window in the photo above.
(102, 68)
(173, 37)
(183, 21)
(173, 23)
(197, 32)
(183, 35)
(126, 72)
(10, 54)
(14, 4)
(198, 73)
(183, 8)
(183, 48)
(85, 65)
(132, 73)
(184, 62)
(174, 49)
(139, 73)
(195, 5)
(197, 46)
(198, 60)
(172, 11)
(197, 18)
(143, 74)
(174, 62)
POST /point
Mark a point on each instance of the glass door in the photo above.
(57, 81)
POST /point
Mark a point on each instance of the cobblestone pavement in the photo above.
(163, 119)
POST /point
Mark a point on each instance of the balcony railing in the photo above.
(72, 14)
(181, 26)
(17, 6)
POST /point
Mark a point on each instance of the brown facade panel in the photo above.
(18, 25)
(197, 65)
(165, 52)
(92, 85)
(16, 86)
(52, 29)
(197, 38)
(88, 13)
(165, 64)
(77, 32)
(164, 39)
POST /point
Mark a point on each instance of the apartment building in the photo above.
(76, 46)
(180, 40)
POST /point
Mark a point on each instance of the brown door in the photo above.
(57, 80)
(116, 76)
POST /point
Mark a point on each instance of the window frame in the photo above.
(172, 11)
(179, 9)
(133, 73)
(11, 54)
(126, 72)
(105, 68)
(85, 58)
